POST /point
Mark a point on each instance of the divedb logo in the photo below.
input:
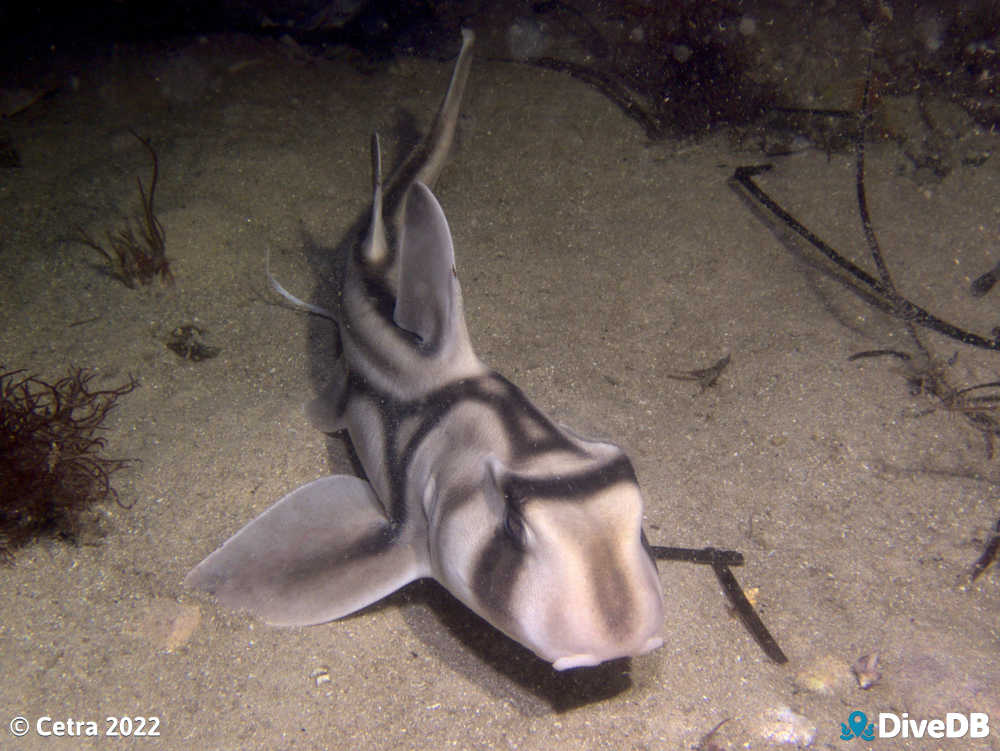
(890, 725)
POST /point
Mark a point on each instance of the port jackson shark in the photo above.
(536, 529)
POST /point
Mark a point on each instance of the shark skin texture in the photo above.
(536, 529)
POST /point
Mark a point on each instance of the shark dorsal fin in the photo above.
(375, 250)
(426, 304)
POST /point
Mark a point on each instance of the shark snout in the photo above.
(584, 660)
(587, 627)
(589, 647)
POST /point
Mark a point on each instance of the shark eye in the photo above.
(513, 527)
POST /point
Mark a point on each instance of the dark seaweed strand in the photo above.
(710, 556)
(983, 284)
(905, 356)
(967, 389)
(748, 615)
(901, 308)
(990, 554)
(720, 561)
(813, 111)
(612, 89)
(130, 260)
(152, 230)
(865, 117)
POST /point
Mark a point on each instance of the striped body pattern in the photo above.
(533, 527)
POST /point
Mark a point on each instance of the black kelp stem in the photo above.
(720, 561)
(990, 554)
(747, 614)
(899, 307)
(709, 556)
(744, 176)
(898, 303)
(865, 117)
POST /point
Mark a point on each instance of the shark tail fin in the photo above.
(442, 132)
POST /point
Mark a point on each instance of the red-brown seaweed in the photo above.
(132, 259)
(51, 468)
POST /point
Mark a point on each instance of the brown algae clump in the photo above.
(51, 469)
(129, 258)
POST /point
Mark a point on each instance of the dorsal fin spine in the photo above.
(375, 249)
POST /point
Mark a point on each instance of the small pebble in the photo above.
(783, 726)
(866, 670)
(321, 675)
(167, 624)
(829, 675)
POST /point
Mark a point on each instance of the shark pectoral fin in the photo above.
(321, 552)
(426, 304)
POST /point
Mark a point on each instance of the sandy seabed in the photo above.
(594, 265)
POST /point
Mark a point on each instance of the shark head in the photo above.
(562, 566)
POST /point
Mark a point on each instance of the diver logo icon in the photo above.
(857, 726)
